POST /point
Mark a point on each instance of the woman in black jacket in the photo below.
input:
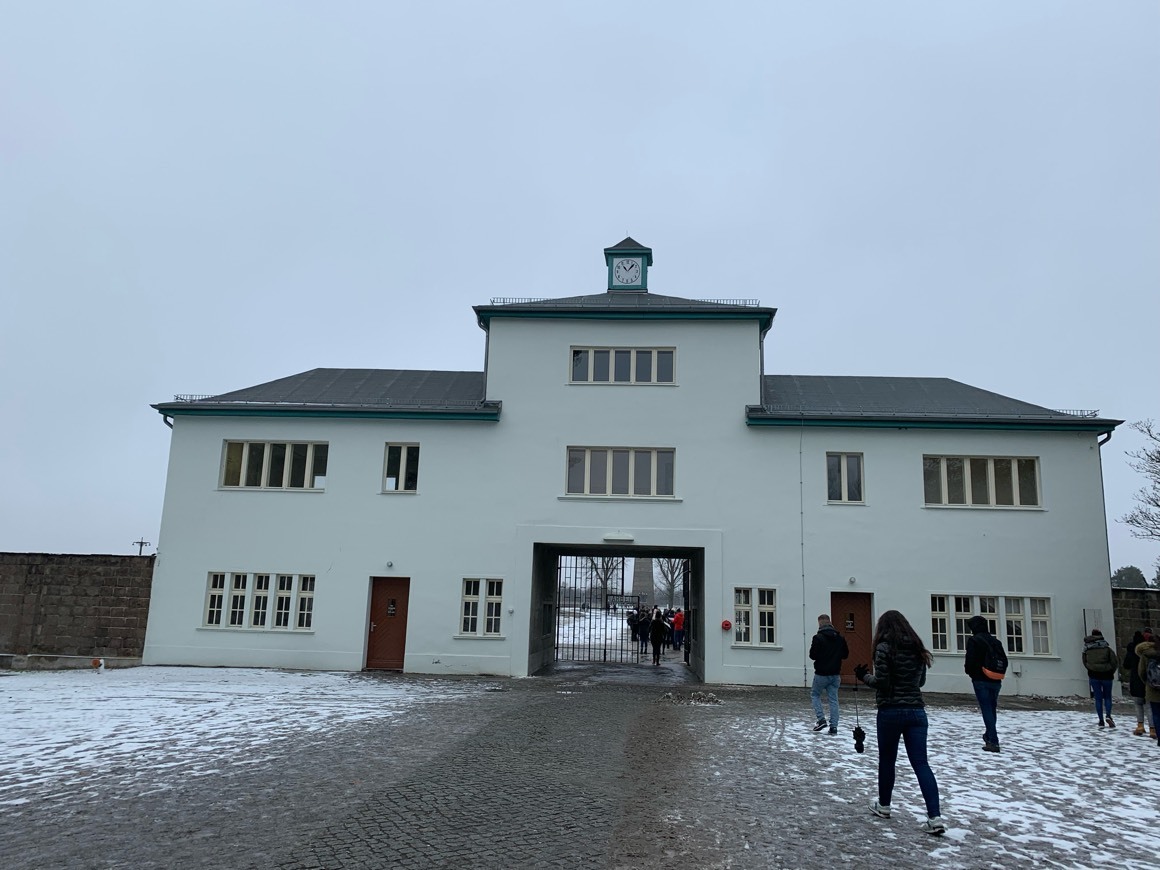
(900, 663)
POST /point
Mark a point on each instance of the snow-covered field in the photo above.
(59, 728)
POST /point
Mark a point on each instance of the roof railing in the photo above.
(655, 302)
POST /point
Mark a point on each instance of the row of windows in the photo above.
(1023, 624)
(262, 602)
(975, 481)
(971, 481)
(622, 365)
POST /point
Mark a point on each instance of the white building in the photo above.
(342, 519)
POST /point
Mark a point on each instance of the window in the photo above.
(633, 365)
(489, 593)
(274, 465)
(1006, 617)
(620, 471)
(248, 606)
(844, 477)
(981, 481)
(746, 616)
(401, 468)
(214, 599)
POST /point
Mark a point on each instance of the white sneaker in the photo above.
(879, 810)
(935, 826)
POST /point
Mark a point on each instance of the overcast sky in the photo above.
(198, 197)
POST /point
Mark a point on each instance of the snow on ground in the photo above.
(60, 727)
(1058, 780)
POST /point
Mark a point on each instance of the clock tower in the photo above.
(628, 263)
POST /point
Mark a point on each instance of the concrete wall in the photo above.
(59, 605)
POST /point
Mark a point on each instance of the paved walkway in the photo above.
(587, 767)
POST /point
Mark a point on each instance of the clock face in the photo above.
(626, 271)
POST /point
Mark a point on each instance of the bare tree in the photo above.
(672, 577)
(1145, 517)
(604, 570)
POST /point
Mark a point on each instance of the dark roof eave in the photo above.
(757, 416)
(490, 412)
(484, 313)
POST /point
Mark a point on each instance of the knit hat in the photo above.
(1097, 633)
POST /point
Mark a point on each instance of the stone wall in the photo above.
(1133, 609)
(58, 605)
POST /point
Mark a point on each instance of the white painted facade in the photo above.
(752, 498)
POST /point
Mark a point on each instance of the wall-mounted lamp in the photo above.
(853, 580)
(392, 565)
(618, 536)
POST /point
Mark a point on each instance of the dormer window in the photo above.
(622, 365)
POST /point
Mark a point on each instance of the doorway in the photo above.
(851, 613)
(387, 632)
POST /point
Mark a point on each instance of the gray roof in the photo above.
(615, 304)
(849, 398)
(365, 390)
(787, 399)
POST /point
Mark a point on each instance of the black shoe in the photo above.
(990, 747)
(820, 724)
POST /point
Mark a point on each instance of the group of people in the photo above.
(898, 674)
(658, 628)
(1103, 665)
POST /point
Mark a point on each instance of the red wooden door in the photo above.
(387, 632)
(851, 615)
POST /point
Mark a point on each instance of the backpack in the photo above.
(1153, 673)
(1099, 659)
(994, 659)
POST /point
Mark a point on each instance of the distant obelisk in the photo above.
(642, 580)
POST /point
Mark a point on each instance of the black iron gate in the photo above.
(592, 611)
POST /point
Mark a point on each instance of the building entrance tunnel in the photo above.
(596, 603)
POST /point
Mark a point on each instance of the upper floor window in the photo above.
(625, 471)
(622, 365)
(401, 470)
(274, 465)
(844, 477)
(981, 481)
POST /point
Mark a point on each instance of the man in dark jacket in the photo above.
(828, 649)
(1101, 663)
(986, 689)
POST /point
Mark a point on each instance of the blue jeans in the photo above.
(829, 685)
(1102, 693)
(987, 694)
(910, 724)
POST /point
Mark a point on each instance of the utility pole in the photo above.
(142, 544)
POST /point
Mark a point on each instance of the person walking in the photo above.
(1149, 651)
(828, 649)
(986, 688)
(900, 663)
(1101, 663)
(657, 634)
(678, 629)
(1135, 684)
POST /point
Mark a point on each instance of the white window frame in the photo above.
(843, 477)
(234, 478)
(407, 449)
(593, 460)
(635, 354)
(989, 499)
(1008, 618)
(755, 616)
(481, 607)
(259, 601)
